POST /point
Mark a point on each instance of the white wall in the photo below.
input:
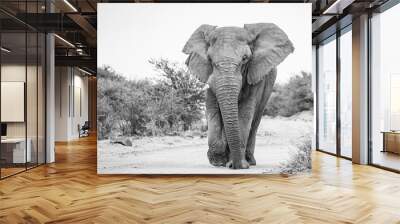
(34, 125)
(14, 72)
(70, 83)
(17, 73)
(61, 103)
(79, 117)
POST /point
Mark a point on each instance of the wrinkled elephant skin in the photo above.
(239, 65)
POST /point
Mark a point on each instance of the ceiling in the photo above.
(75, 21)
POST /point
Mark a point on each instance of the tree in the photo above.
(166, 105)
(292, 97)
(188, 90)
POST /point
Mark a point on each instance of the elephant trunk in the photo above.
(227, 89)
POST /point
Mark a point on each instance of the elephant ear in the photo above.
(270, 47)
(196, 47)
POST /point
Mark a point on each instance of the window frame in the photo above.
(334, 37)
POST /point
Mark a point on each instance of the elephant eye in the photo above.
(245, 57)
(212, 40)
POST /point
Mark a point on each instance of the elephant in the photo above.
(239, 66)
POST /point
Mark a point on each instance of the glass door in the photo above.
(22, 78)
(32, 98)
(14, 153)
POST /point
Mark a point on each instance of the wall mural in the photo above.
(191, 90)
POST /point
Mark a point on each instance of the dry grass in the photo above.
(299, 161)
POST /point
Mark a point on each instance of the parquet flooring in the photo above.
(70, 191)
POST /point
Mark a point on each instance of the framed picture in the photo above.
(204, 88)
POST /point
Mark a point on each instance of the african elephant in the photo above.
(239, 66)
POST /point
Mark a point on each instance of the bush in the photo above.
(299, 161)
(291, 98)
(166, 105)
(187, 93)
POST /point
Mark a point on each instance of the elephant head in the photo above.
(228, 58)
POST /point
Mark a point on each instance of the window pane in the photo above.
(13, 86)
(346, 94)
(41, 98)
(31, 97)
(386, 89)
(327, 96)
(22, 88)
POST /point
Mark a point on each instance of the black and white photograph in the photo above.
(204, 89)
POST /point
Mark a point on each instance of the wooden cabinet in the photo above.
(391, 142)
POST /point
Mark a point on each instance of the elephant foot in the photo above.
(242, 164)
(217, 158)
(251, 160)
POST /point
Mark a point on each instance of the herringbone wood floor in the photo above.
(70, 191)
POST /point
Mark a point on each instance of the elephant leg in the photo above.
(218, 152)
(246, 124)
(251, 142)
(264, 92)
(246, 116)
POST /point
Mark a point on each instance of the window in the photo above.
(385, 89)
(394, 102)
(327, 96)
(346, 75)
(15, 150)
(22, 88)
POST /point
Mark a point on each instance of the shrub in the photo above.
(291, 98)
(299, 161)
(166, 105)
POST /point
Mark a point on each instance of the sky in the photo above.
(131, 34)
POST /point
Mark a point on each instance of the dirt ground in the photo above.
(276, 141)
